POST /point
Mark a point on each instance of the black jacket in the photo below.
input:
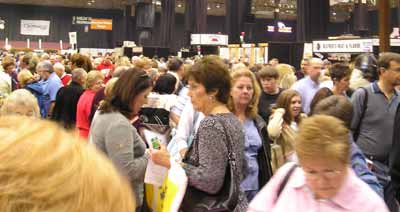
(65, 106)
(264, 155)
(395, 155)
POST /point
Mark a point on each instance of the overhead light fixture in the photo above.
(218, 6)
(208, 7)
(179, 5)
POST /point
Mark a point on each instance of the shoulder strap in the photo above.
(364, 108)
(285, 180)
(232, 165)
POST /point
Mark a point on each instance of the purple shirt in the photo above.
(354, 195)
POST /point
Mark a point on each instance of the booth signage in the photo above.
(209, 39)
(101, 24)
(343, 46)
(393, 42)
(127, 43)
(2, 24)
(72, 38)
(83, 20)
(35, 27)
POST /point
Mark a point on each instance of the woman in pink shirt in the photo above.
(323, 180)
(94, 82)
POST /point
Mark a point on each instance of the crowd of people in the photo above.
(255, 138)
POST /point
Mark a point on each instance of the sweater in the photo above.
(114, 135)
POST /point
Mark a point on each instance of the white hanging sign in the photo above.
(343, 46)
(35, 27)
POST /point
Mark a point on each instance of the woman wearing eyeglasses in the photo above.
(323, 179)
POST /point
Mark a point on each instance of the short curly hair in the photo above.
(213, 74)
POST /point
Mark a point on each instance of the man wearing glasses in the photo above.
(374, 111)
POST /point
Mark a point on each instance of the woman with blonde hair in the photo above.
(94, 82)
(48, 169)
(20, 102)
(283, 125)
(243, 103)
(30, 82)
(323, 179)
(286, 76)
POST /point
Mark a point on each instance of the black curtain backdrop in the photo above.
(195, 18)
(318, 19)
(61, 23)
(235, 17)
(167, 23)
(289, 53)
(145, 18)
(303, 15)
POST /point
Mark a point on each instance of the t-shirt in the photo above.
(265, 103)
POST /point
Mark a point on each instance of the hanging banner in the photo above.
(343, 46)
(72, 38)
(209, 39)
(35, 27)
(101, 24)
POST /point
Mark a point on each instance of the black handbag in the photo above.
(226, 199)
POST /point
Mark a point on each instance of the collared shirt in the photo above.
(376, 129)
(307, 89)
(354, 195)
(50, 88)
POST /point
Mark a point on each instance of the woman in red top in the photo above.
(94, 82)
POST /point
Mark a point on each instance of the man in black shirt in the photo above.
(268, 78)
(67, 99)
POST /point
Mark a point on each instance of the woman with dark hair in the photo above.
(165, 84)
(283, 125)
(218, 141)
(320, 95)
(162, 99)
(81, 61)
(113, 133)
(340, 79)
